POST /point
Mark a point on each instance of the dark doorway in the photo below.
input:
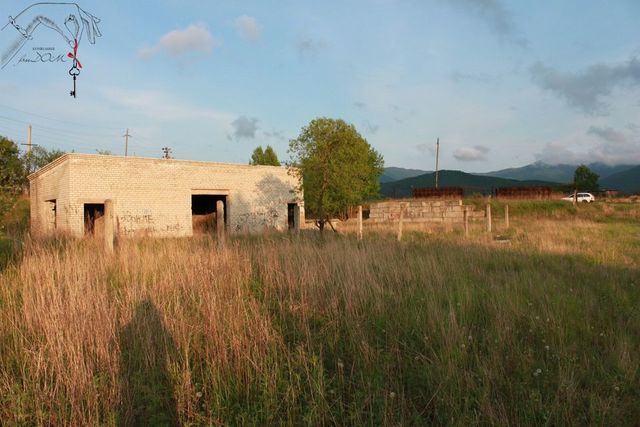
(291, 215)
(93, 219)
(51, 214)
(203, 212)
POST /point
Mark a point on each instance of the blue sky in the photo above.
(501, 83)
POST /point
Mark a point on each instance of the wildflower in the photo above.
(463, 346)
(616, 388)
(470, 338)
(199, 394)
(340, 364)
(537, 372)
(546, 347)
(392, 395)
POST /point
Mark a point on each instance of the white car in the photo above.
(581, 197)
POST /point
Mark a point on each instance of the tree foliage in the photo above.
(264, 157)
(338, 167)
(40, 157)
(12, 171)
(584, 179)
(12, 174)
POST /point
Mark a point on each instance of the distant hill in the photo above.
(555, 173)
(395, 174)
(469, 182)
(627, 181)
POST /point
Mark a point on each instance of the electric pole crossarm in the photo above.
(126, 142)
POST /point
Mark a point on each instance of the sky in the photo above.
(500, 83)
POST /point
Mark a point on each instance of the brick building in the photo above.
(160, 197)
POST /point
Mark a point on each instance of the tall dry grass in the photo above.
(290, 331)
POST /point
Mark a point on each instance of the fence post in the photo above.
(488, 218)
(359, 222)
(108, 225)
(296, 218)
(506, 216)
(400, 222)
(466, 221)
(220, 231)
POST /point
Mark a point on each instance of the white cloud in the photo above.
(471, 154)
(248, 28)
(608, 134)
(275, 134)
(495, 14)
(609, 146)
(245, 127)
(160, 106)
(196, 38)
(585, 90)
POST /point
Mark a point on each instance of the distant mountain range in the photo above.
(397, 182)
(469, 182)
(555, 173)
(396, 174)
(627, 181)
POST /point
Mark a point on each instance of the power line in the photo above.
(57, 120)
(63, 131)
(65, 140)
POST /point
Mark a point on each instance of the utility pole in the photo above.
(29, 141)
(29, 145)
(437, 158)
(126, 142)
(167, 153)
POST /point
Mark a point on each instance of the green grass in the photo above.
(601, 211)
(13, 226)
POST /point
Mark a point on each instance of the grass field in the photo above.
(535, 325)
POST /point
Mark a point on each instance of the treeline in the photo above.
(16, 166)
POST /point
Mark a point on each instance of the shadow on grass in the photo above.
(146, 387)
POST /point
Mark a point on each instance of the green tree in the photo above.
(12, 174)
(264, 157)
(270, 157)
(584, 179)
(39, 157)
(257, 156)
(337, 165)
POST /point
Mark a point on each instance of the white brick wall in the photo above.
(153, 196)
